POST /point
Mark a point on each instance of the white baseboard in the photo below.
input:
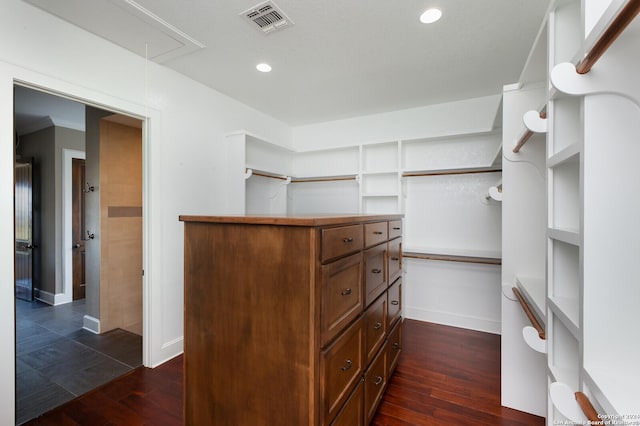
(52, 299)
(455, 320)
(91, 324)
(169, 350)
(45, 297)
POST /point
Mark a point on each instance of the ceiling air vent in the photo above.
(267, 17)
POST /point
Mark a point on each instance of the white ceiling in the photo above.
(342, 58)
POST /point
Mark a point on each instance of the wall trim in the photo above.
(169, 350)
(91, 324)
(454, 320)
(45, 297)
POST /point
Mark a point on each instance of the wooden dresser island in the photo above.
(290, 320)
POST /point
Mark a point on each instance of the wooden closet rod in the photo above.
(588, 410)
(453, 258)
(527, 310)
(327, 179)
(267, 175)
(617, 26)
(452, 172)
(526, 136)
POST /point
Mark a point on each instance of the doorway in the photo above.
(78, 257)
(24, 228)
(57, 359)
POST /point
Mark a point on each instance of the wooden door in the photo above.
(78, 228)
(24, 229)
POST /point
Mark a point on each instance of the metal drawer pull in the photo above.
(376, 271)
(377, 232)
(377, 326)
(346, 292)
(378, 380)
(347, 240)
(396, 228)
(396, 346)
(347, 366)
(395, 259)
(394, 302)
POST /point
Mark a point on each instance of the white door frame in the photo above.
(154, 352)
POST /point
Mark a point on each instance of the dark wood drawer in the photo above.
(395, 259)
(375, 326)
(375, 272)
(375, 233)
(352, 414)
(394, 347)
(340, 369)
(395, 229)
(342, 295)
(394, 303)
(375, 381)
(341, 241)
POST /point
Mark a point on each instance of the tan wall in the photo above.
(120, 227)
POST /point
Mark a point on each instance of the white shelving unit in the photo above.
(593, 237)
(380, 185)
(564, 189)
(365, 178)
(524, 370)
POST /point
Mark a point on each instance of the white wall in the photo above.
(184, 156)
(452, 118)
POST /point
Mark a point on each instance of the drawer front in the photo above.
(375, 381)
(375, 273)
(342, 295)
(394, 347)
(352, 414)
(341, 369)
(395, 259)
(394, 303)
(375, 233)
(341, 241)
(375, 326)
(395, 229)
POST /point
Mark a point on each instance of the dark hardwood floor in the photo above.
(446, 376)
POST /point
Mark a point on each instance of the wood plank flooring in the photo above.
(446, 376)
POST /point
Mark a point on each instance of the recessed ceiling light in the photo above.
(263, 67)
(430, 16)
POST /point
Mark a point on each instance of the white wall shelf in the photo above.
(566, 310)
(326, 163)
(453, 152)
(566, 236)
(567, 155)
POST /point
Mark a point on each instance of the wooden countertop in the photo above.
(303, 220)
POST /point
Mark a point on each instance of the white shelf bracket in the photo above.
(564, 399)
(494, 194)
(534, 122)
(533, 340)
(508, 293)
(615, 81)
